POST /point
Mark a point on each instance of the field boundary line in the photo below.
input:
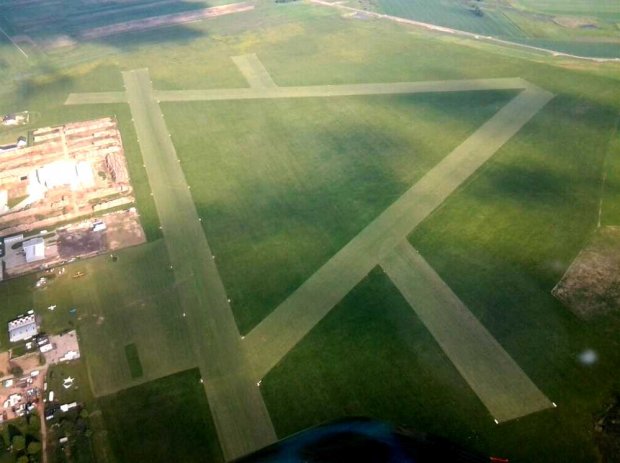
(14, 43)
(281, 330)
(500, 384)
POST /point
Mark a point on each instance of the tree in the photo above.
(17, 371)
(34, 448)
(23, 459)
(19, 443)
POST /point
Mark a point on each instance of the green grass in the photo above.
(504, 241)
(130, 301)
(311, 175)
(80, 391)
(610, 206)
(371, 356)
(161, 421)
(133, 360)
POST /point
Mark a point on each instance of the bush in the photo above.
(19, 443)
(34, 448)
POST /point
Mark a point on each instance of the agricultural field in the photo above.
(281, 157)
(577, 27)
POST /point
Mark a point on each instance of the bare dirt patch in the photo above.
(591, 285)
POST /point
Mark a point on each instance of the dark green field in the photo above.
(164, 420)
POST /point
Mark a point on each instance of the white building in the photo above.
(34, 249)
(23, 327)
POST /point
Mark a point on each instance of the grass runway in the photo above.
(276, 335)
(239, 413)
(494, 376)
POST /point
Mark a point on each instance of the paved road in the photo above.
(497, 380)
(277, 334)
(239, 413)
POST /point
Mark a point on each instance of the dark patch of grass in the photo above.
(133, 360)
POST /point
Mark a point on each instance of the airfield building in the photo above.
(23, 327)
(34, 249)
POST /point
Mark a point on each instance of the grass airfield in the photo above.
(310, 175)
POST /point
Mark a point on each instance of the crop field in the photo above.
(281, 179)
